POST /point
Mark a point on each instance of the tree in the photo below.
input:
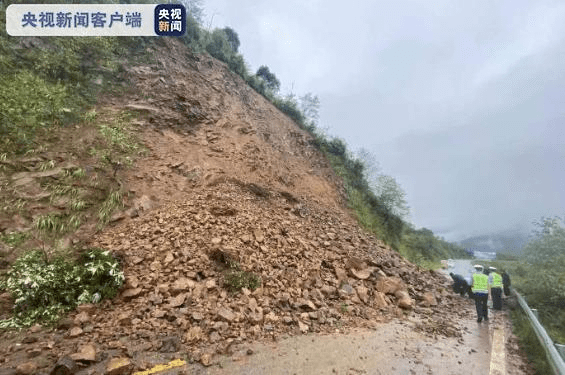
(270, 79)
(233, 38)
(385, 187)
(391, 194)
(194, 9)
(310, 105)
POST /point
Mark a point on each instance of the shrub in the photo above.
(44, 289)
(236, 279)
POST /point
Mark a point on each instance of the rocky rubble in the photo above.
(318, 273)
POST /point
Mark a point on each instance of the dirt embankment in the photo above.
(232, 193)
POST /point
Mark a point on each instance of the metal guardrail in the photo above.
(554, 358)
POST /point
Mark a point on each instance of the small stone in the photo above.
(64, 366)
(27, 368)
(87, 353)
(34, 353)
(210, 284)
(118, 366)
(303, 327)
(131, 293)
(259, 237)
(226, 314)
(194, 334)
(65, 323)
(75, 331)
(206, 359)
(178, 300)
(197, 316)
(124, 319)
(249, 351)
(81, 318)
(36, 328)
(214, 337)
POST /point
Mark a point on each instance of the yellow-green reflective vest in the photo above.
(480, 283)
(496, 280)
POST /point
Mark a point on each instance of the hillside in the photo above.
(229, 224)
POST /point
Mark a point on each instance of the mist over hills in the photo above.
(504, 242)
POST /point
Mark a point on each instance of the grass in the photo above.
(113, 201)
(529, 341)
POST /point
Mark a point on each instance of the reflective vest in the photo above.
(496, 280)
(480, 283)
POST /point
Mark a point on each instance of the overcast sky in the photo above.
(461, 101)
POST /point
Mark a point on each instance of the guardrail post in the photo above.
(561, 349)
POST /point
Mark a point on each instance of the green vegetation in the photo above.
(236, 280)
(43, 288)
(113, 201)
(539, 275)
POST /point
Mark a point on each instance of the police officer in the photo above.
(479, 286)
(495, 283)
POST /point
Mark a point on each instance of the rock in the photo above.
(362, 292)
(340, 274)
(124, 319)
(390, 285)
(216, 241)
(307, 305)
(64, 366)
(131, 293)
(404, 300)
(303, 327)
(428, 299)
(86, 308)
(170, 344)
(226, 314)
(65, 323)
(36, 328)
(27, 368)
(75, 331)
(178, 300)
(81, 318)
(379, 300)
(214, 337)
(211, 283)
(87, 353)
(361, 274)
(34, 353)
(169, 258)
(194, 334)
(197, 316)
(346, 288)
(259, 237)
(206, 359)
(118, 366)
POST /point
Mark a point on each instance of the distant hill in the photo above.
(504, 242)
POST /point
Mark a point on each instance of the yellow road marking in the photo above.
(159, 368)
(498, 353)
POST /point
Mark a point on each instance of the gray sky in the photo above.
(461, 101)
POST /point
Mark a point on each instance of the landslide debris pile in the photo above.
(318, 271)
(251, 241)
